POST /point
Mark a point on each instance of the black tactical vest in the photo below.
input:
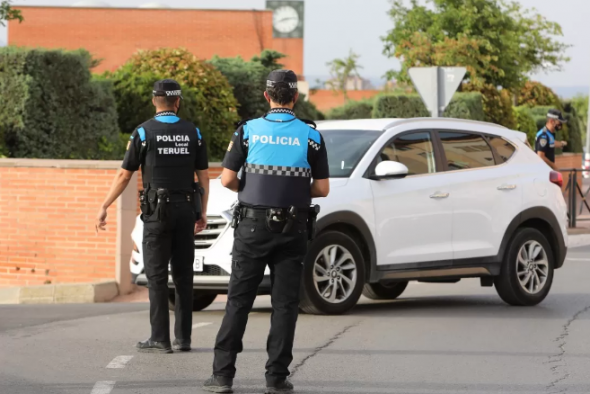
(169, 149)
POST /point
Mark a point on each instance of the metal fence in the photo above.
(572, 193)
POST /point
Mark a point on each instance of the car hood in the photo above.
(220, 198)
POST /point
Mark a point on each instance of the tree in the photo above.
(8, 13)
(208, 97)
(498, 41)
(535, 93)
(341, 70)
(248, 79)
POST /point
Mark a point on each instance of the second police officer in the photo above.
(284, 165)
(545, 143)
(169, 151)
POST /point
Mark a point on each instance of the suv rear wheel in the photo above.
(527, 272)
(333, 275)
(384, 291)
(200, 300)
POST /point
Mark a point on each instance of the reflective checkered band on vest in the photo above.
(278, 170)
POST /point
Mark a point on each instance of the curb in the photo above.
(578, 240)
(60, 293)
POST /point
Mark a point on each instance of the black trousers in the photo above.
(255, 247)
(170, 241)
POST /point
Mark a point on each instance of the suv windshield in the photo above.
(346, 148)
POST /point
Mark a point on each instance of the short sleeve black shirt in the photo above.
(132, 159)
(546, 143)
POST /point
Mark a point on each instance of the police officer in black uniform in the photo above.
(170, 151)
(545, 143)
(279, 155)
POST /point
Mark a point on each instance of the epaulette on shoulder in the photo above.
(311, 123)
(242, 122)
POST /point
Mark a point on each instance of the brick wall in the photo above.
(569, 161)
(47, 211)
(114, 34)
(326, 100)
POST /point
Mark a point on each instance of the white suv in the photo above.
(430, 200)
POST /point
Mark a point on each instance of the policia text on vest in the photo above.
(279, 156)
(169, 151)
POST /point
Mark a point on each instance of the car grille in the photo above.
(212, 270)
(206, 238)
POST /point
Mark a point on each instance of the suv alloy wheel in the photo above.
(527, 272)
(333, 275)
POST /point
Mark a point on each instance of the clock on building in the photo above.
(287, 18)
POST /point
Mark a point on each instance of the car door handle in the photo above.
(507, 187)
(439, 195)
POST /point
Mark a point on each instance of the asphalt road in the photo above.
(444, 338)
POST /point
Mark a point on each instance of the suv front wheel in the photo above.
(527, 272)
(333, 275)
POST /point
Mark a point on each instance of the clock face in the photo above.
(285, 19)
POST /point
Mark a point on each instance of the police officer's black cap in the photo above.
(556, 114)
(167, 88)
(282, 76)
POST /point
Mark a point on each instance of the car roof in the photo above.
(388, 123)
(357, 124)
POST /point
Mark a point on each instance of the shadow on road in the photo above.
(556, 306)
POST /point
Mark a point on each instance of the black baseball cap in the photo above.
(167, 88)
(556, 114)
(282, 76)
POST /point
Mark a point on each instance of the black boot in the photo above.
(219, 384)
(150, 346)
(279, 386)
(184, 345)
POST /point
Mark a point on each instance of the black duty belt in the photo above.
(180, 197)
(260, 213)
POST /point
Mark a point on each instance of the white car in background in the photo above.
(430, 200)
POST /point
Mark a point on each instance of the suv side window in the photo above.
(504, 148)
(466, 150)
(414, 150)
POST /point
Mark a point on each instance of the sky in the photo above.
(334, 27)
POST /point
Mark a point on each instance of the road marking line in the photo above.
(198, 325)
(119, 362)
(574, 259)
(104, 387)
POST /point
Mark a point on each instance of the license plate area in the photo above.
(197, 264)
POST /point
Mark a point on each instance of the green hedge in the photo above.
(462, 106)
(362, 109)
(526, 123)
(52, 108)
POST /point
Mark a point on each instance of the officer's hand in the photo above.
(101, 220)
(201, 224)
(563, 143)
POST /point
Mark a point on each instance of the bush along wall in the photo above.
(362, 109)
(52, 108)
(462, 106)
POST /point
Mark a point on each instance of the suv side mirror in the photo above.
(390, 170)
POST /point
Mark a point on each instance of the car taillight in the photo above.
(556, 178)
